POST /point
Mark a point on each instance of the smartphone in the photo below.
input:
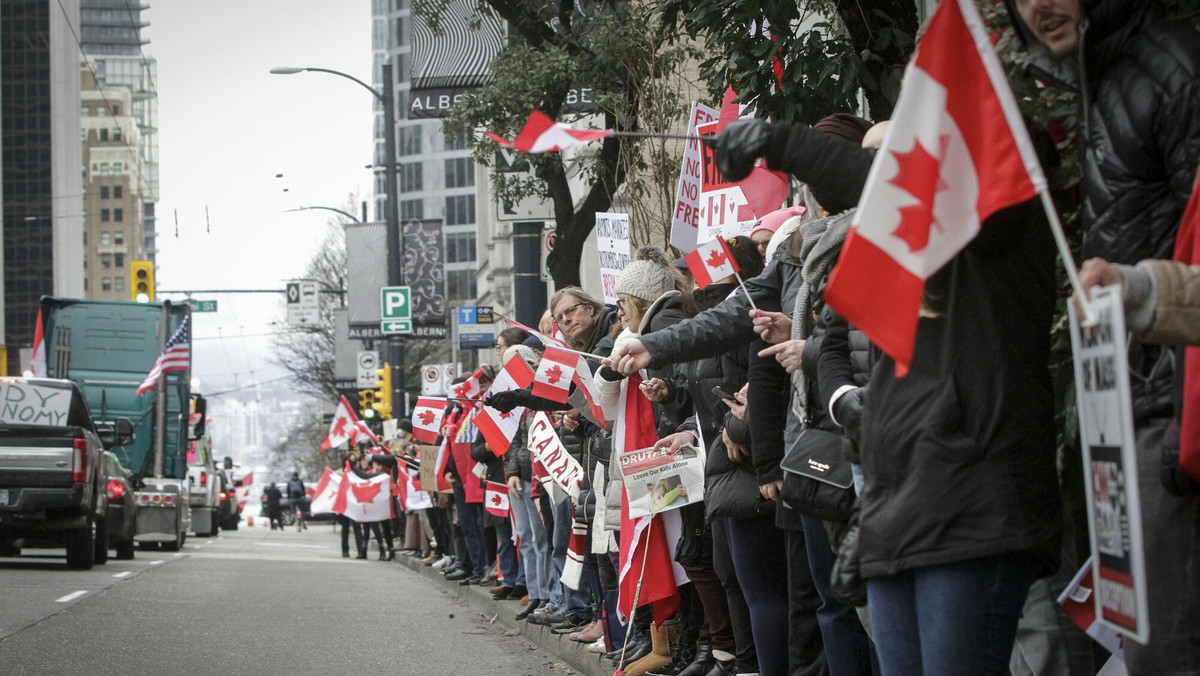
(723, 393)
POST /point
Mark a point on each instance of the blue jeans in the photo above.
(848, 649)
(535, 544)
(470, 520)
(950, 619)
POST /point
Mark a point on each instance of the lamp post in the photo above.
(347, 214)
(395, 244)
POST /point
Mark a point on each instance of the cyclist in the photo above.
(296, 496)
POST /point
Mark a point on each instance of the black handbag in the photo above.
(817, 480)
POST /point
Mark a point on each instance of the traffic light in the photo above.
(383, 391)
(367, 403)
(142, 281)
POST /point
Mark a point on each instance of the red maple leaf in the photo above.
(496, 500)
(365, 492)
(425, 417)
(715, 260)
(461, 391)
(553, 374)
(920, 176)
(505, 415)
(339, 427)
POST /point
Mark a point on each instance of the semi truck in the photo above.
(108, 348)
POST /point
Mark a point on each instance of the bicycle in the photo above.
(300, 522)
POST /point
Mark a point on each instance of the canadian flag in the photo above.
(543, 135)
(414, 497)
(956, 152)
(427, 419)
(469, 388)
(495, 499)
(243, 490)
(365, 500)
(585, 390)
(498, 428)
(326, 493)
(763, 189)
(554, 375)
(38, 365)
(1187, 250)
(711, 262)
(344, 427)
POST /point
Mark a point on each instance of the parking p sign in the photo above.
(395, 310)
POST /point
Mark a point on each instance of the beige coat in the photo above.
(1177, 306)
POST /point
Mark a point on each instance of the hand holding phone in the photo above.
(723, 393)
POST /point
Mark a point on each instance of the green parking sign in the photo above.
(395, 310)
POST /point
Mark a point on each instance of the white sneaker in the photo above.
(442, 562)
(597, 647)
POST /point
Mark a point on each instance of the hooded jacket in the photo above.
(1137, 76)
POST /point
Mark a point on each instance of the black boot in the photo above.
(645, 647)
(701, 662)
(684, 651)
(529, 608)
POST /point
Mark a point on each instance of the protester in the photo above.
(274, 508)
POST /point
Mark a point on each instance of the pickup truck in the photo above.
(52, 478)
(204, 489)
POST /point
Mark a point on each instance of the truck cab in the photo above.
(204, 489)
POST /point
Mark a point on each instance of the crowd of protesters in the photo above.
(945, 547)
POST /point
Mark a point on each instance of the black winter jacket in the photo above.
(1138, 80)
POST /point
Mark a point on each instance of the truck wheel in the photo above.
(9, 548)
(125, 550)
(81, 548)
(101, 542)
(216, 526)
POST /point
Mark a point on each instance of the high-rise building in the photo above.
(111, 38)
(113, 184)
(43, 191)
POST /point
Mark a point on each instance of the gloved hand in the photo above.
(740, 145)
(847, 410)
(506, 401)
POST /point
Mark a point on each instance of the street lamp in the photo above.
(347, 214)
(391, 209)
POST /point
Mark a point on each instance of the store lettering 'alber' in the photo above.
(438, 102)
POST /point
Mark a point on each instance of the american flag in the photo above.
(176, 356)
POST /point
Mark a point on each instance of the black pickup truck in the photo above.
(52, 479)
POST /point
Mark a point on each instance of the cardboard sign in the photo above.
(428, 455)
(563, 469)
(29, 404)
(1110, 466)
(612, 241)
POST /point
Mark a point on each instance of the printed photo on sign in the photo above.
(659, 480)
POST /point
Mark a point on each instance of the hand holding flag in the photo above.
(712, 262)
(554, 375)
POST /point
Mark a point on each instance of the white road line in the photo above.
(125, 574)
(155, 563)
(71, 597)
(177, 554)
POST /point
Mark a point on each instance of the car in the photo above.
(121, 511)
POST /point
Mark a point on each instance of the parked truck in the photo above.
(108, 348)
(52, 474)
(204, 486)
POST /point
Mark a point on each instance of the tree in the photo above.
(798, 61)
(299, 450)
(609, 47)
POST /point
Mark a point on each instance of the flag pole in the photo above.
(744, 289)
(654, 134)
(637, 592)
(1064, 251)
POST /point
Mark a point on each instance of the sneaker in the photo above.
(574, 623)
(429, 558)
(597, 647)
(458, 575)
(443, 562)
(548, 618)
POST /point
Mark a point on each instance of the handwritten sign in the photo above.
(563, 469)
(685, 219)
(29, 404)
(612, 241)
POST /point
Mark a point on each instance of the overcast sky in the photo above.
(226, 128)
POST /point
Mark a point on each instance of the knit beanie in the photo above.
(527, 355)
(772, 221)
(648, 275)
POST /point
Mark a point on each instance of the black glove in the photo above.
(848, 412)
(740, 145)
(506, 401)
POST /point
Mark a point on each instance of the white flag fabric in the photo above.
(365, 500)
(427, 419)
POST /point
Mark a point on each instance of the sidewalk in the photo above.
(503, 612)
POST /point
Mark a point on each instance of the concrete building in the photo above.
(42, 182)
(113, 169)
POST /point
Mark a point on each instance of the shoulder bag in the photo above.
(817, 480)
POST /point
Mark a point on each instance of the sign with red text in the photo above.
(612, 241)
(685, 218)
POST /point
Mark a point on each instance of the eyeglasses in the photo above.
(567, 312)
(499, 346)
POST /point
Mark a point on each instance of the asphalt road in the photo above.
(250, 601)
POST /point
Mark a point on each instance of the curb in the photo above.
(503, 613)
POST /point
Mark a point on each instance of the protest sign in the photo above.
(612, 241)
(28, 404)
(563, 469)
(685, 218)
(1110, 466)
(661, 480)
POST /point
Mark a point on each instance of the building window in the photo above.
(118, 215)
(118, 260)
(117, 168)
(106, 283)
(117, 192)
(460, 172)
(460, 284)
(457, 143)
(116, 110)
(119, 283)
(460, 210)
(85, 111)
(118, 236)
(104, 215)
(104, 234)
(460, 247)
(408, 140)
(117, 134)
(103, 134)
(103, 192)
(410, 177)
(411, 209)
(106, 261)
(104, 168)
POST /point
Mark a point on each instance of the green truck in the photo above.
(108, 348)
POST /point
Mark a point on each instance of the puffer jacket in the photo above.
(517, 461)
(1138, 79)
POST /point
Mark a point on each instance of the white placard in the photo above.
(661, 480)
(29, 404)
(560, 465)
(612, 241)
(685, 218)
(1110, 467)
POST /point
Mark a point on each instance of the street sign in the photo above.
(303, 303)
(368, 362)
(475, 327)
(203, 305)
(395, 310)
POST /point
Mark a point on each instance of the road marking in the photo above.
(177, 554)
(71, 597)
(126, 573)
(155, 563)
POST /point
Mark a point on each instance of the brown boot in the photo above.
(660, 654)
